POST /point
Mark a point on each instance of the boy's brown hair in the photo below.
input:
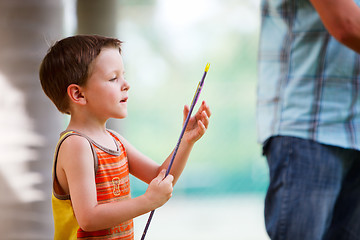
(68, 62)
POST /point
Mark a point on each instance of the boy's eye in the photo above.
(113, 79)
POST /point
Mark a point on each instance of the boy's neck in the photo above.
(97, 132)
(87, 126)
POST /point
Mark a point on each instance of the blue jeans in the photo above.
(314, 191)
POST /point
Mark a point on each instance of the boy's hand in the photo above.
(198, 123)
(160, 189)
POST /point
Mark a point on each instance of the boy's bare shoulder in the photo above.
(76, 140)
(75, 145)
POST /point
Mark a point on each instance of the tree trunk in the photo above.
(98, 17)
(29, 123)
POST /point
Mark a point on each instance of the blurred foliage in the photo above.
(164, 60)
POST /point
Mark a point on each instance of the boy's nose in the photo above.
(125, 86)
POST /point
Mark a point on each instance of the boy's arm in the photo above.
(146, 169)
(75, 163)
(342, 19)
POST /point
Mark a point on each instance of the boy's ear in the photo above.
(75, 94)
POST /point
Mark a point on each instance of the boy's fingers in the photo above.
(169, 178)
(205, 119)
(186, 112)
(207, 109)
(202, 127)
(168, 183)
(161, 176)
(202, 108)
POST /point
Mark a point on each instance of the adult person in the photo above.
(308, 116)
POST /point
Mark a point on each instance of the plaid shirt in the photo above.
(309, 83)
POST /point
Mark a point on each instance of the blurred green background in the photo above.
(166, 47)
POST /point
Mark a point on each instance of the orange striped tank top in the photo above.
(112, 184)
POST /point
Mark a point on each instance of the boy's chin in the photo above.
(122, 116)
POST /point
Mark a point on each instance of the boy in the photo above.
(84, 77)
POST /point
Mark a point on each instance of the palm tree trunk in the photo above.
(99, 17)
(29, 123)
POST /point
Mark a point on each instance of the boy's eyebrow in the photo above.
(116, 72)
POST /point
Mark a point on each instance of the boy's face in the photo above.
(106, 88)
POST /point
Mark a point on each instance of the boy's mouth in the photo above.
(124, 100)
